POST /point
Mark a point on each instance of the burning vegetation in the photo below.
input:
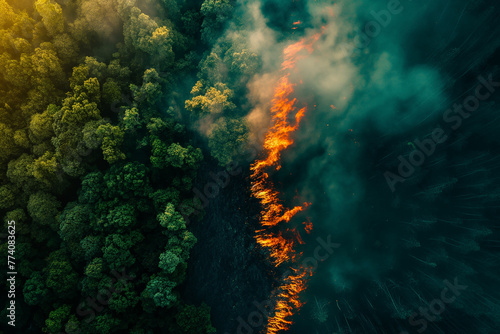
(274, 235)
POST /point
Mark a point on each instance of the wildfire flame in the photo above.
(281, 244)
(308, 226)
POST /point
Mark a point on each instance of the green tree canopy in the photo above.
(159, 291)
(52, 16)
(57, 318)
(227, 138)
(34, 290)
(44, 209)
(213, 100)
(215, 14)
(194, 320)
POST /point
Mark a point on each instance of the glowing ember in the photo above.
(308, 226)
(281, 244)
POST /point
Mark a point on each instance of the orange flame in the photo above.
(293, 53)
(308, 226)
(281, 245)
(287, 301)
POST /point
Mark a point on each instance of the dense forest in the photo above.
(97, 157)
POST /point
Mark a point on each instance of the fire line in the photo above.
(281, 244)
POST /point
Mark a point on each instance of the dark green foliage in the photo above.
(74, 222)
(116, 250)
(162, 197)
(91, 246)
(123, 300)
(106, 323)
(57, 318)
(34, 290)
(171, 219)
(7, 196)
(126, 180)
(194, 320)
(175, 155)
(95, 157)
(215, 14)
(43, 209)
(227, 139)
(111, 138)
(159, 293)
(150, 91)
(60, 275)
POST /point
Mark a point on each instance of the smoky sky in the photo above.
(369, 101)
